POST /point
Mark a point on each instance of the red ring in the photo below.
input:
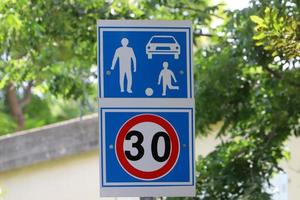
(147, 175)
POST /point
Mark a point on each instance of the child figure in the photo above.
(166, 75)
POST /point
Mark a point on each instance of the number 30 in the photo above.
(154, 148)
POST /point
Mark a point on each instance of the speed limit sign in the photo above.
(147, 146)
(148, 149)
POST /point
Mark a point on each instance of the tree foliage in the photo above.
(279, 33)
(48, 47)
(240, 83)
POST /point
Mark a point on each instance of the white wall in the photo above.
(76, 177)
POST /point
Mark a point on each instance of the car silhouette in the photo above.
(162, 45)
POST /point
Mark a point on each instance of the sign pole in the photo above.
(147, 198)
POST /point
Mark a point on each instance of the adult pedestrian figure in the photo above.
(125, 54)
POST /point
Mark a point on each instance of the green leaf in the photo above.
(257, 19)
(13, 21)
(259, 43)
(259, 36)
(275, 53)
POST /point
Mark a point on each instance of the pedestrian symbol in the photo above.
(125, 55)
(166, 76)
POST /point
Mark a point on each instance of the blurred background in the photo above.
(247, 91)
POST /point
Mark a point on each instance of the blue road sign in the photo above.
(145, 62)
(146, 147)
(172, 128)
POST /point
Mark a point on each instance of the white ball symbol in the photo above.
(149, 92)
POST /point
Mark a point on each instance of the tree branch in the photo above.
(14, 106)
(27, 95)
(194, 9)
(203, 34)
(280, 76)
(199, 10)
(273, 72)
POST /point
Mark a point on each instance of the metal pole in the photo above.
(147, 198)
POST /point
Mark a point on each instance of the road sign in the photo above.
(145, 61)
(147, 148)
(150, 128)
(146, 108)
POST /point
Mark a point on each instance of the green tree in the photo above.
(49, 46)
(43, 46)
(241, 82)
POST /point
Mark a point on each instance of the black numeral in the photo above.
(137, 145)
(154, 146)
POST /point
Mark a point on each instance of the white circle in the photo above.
(147, 163)
(149, 92)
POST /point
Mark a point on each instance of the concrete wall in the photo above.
(75, 176)
(49, 142)
(69, 178)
